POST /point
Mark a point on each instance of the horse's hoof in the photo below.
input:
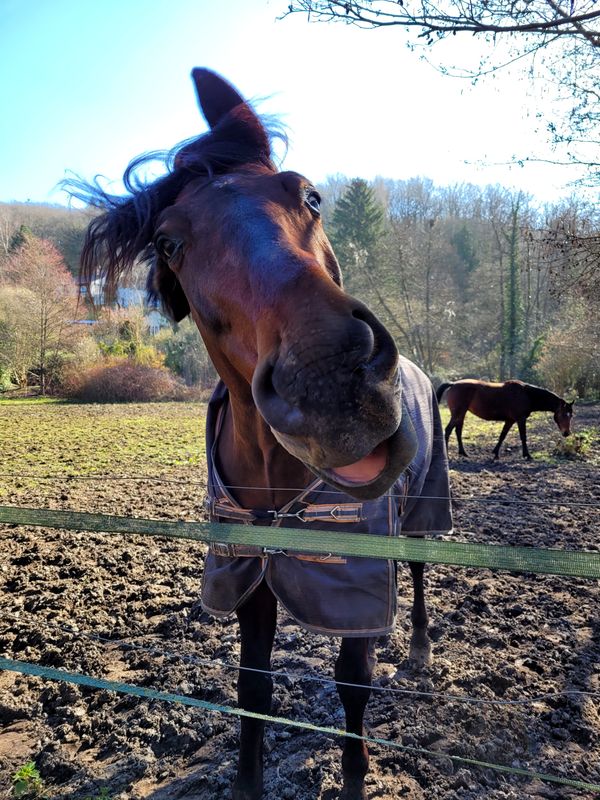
(353, 789)
(419, 654)
(243, 794)
(246, 792)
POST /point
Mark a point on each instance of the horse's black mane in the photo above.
(118, 236)
(544, 398)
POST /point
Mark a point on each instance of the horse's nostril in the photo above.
(276, 411)
(383, 355)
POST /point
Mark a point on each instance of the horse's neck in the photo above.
(260, 472)
(542, 399)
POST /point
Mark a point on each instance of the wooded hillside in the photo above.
(475, 281)
(64, 227)
(471, 281)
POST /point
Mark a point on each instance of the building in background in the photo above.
(126, 297)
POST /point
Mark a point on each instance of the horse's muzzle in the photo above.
(359, 441)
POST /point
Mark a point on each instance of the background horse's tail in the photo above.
(441, 389)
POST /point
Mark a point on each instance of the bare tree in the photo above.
(571, 243)
(18, 345)
(49, 294)
(560, 42)
(543, 18)
(8, 227)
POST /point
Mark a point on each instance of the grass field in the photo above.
(49, 437)
(546, 443)
(83, 456)
(81, 439)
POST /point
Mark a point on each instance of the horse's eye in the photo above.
(313, 201)
(167, 248)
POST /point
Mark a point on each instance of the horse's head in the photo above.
(241, 247)
(562, 417)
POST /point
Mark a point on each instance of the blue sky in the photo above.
(86, 86)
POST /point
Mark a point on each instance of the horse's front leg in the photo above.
(354, 665)
(420, 645)
(257, 618)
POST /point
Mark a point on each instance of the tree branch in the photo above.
(482, 17)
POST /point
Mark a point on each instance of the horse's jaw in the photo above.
(372, 474)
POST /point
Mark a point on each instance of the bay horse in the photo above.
(316, 419)
(508, 402)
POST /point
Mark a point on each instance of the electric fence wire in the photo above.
(316, 678)
(202, 484)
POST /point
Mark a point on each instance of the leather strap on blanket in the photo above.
(328, 512)
(331, 512)
(255, 551)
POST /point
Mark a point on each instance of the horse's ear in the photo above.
(216, 96)
(232, 121)
(163, 287)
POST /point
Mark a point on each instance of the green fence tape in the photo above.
(50, 673)
(574, 563)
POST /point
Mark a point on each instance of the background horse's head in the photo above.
(563, 416)
(241, 247)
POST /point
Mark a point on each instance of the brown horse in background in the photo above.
(508, 402)
(314, 380)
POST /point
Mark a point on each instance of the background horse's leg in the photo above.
(522, 423)
(420, 646)
(257, 618)
(449, 428)
(507, 426)
(354, 665)
(459, 427)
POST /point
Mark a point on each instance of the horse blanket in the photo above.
(329, 595)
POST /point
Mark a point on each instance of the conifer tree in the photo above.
(357, 232)
(19, 238)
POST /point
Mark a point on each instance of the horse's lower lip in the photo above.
(365, 470)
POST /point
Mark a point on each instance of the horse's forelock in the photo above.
(239, 138)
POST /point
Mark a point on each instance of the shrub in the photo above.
(185, 354)
(124, 382)
(123, 333)
(5, 382)
(576, 445)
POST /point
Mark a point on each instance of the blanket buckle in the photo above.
(299, 515)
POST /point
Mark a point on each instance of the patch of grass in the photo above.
(27, 401)
(93, 440)
(476, 432)
(27, 781)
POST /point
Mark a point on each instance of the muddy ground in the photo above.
(126, 609)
